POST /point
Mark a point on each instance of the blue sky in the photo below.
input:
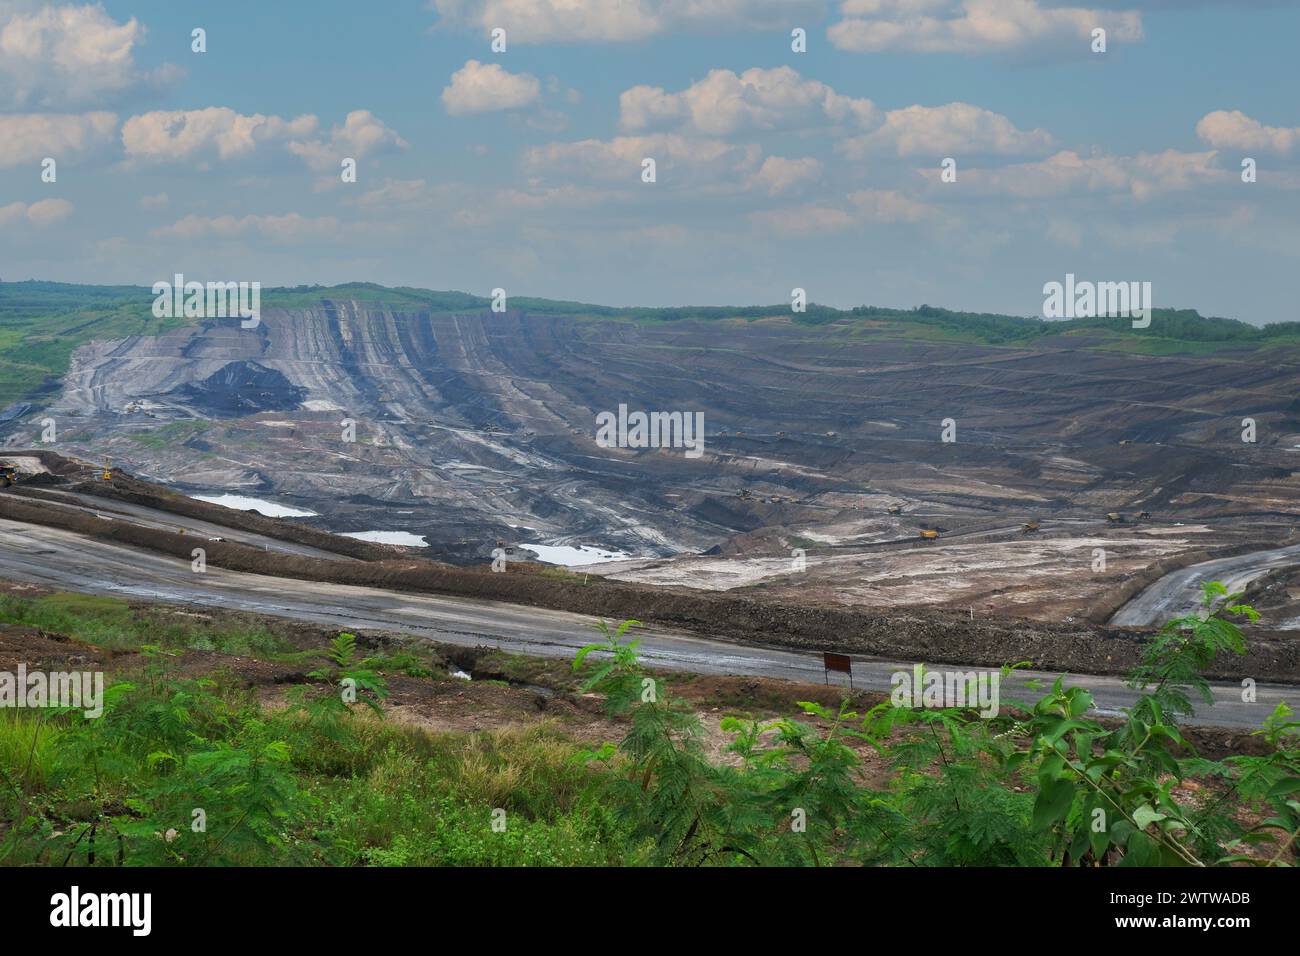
(775, 169)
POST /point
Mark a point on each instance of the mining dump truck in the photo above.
(895, 509)
(929, 534)
(1114, 517)
(1029, 527)
(8, 475)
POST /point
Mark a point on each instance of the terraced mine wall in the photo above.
(930, 636)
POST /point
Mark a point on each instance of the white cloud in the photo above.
(155, 201)
(779, 175)
(45, 212)
(217, 131)
(953, 129)
(974, 26)
(69, 55)
(614, 21)
(758, 99)
(1235, 130)
(481, 88)
(30, 137)
(362, 134)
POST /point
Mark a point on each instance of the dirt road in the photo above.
(68, 561)
(1179, 592)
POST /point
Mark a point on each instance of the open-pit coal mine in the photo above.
(850, 463)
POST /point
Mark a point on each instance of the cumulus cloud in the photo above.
(759, 99)
(1236, 130)
(362, 134)
(608, 21)
(974, 26)
(483, 88)
(220, 133)
(30, 137)
(69, 55)
(215, 132)
(46, 212)
(943, 130)
(780, 175)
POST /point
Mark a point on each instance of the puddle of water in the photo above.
(243, 503)
(390, 537)
(570, 556)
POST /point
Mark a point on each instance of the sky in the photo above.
(523, 168)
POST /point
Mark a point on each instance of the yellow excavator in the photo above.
(107, 474)
(8, 475)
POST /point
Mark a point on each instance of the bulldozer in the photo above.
(930, 534)
(8, 475)
(1029, 527)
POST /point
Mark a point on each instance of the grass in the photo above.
(28, 746)
(362, 792)
(404, 662)
(114, 624)
(431, 801)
